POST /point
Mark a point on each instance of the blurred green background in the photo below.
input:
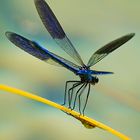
(89, 24)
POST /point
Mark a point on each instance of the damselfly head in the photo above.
(94, 80)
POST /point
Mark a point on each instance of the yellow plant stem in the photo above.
(87, 122)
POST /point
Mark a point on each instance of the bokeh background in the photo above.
(89, 24)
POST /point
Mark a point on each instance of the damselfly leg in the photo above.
(79, 97)
(71, 91)
(74, 103)
(66, 86)
(86, 98)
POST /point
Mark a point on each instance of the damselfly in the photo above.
(87, 76)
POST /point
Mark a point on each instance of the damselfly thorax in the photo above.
(86, 76)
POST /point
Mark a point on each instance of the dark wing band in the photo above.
(108, 48)
(54, 28)
(36, 50)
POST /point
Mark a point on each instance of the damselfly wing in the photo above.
(87, 76)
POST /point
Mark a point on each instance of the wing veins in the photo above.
(56, 31)
(36, 50)
(108, 48)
